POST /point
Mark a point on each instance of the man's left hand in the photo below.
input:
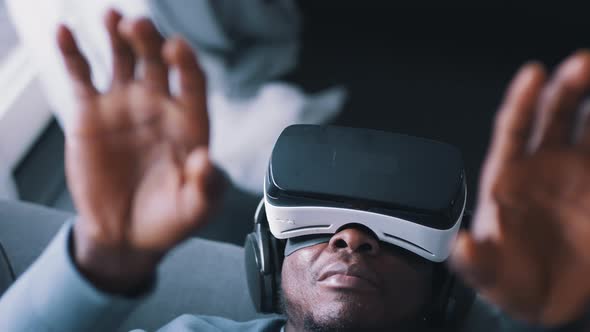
(529, 248)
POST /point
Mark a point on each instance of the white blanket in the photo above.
(243, 46)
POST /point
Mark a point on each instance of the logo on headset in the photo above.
(285, 221)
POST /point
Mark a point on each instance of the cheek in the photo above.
(290, 275)
(297, 279)
(301, 294)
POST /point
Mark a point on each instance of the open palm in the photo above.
(136, 155)
(529, 248)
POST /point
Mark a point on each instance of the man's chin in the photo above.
(348, 315)
(342, 323)
(345, 311)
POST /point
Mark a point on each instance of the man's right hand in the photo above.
(136, 155)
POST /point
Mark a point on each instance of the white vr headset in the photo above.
(410, 192)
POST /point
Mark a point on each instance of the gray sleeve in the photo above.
(52, 296)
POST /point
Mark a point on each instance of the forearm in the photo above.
(52, 296)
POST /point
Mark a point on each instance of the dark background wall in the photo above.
(431, 69)
(434, 70)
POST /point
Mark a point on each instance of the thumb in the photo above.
(195, 199)
(476, 261)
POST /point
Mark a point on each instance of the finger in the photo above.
(123, 58)
(515, 118)
(192, 125)
(560, 102)
(147, 44)
(499, 274)
(179, 55)
(475, 260)
(583, 126)
(76, 65)
(202, 187)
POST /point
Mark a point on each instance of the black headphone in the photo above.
(264, 256)
(264, 261)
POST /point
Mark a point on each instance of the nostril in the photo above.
(340, 243)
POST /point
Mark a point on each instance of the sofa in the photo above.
(210, 283)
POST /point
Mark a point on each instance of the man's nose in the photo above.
(355, 239)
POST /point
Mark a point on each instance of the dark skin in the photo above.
(142, 147)
(528, 250)
(142, 181)
(373, 285)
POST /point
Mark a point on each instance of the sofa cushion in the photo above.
(25, 230)
(6, 272)
(198, 277)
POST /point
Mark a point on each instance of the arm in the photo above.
(140, 177)
(528, 249)
(136, 157)
(52, 296)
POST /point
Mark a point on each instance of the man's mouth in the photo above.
(352, 277)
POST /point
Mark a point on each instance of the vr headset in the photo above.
(409, 191)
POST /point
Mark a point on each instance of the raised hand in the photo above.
(529, 248)
(136, 155)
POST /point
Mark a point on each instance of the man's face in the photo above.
(354, 281)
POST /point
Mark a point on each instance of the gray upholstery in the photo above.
(25, 230)
(200, 276)
(6, 272)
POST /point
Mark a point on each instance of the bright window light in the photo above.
(23, 108)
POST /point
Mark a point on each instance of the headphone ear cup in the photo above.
(254, 274)
(460, 301)
(460, 296)
(260, 270)
(453, 302)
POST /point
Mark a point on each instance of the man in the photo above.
(142, 182)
